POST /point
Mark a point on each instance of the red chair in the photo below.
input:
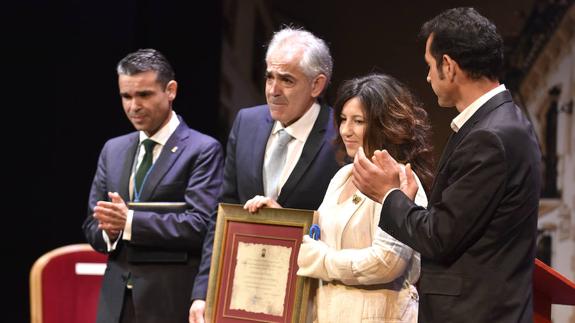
(549, 287)
(65, 285)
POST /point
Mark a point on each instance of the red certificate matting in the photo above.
(261, 234)
(272, 233)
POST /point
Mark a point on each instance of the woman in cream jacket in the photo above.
(365, 274)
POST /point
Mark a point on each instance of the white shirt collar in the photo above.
(162, 135)
(301, 129)
(468, 112)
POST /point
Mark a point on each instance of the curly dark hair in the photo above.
(395, 121)
(468, 38)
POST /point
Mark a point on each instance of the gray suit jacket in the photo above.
(477, 235)
(163, 257)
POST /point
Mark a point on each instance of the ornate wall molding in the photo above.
(548, 57)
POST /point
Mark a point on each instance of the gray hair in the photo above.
(145, 60)
(316, 58)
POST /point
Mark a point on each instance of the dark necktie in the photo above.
(145, 164)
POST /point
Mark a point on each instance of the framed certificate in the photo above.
(254, 264)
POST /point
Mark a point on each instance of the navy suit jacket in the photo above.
(189, 169)
(306, 185)
(477, 237)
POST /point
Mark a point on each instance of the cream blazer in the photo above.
(365, 274)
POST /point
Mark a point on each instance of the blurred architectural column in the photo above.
(247, 27)
(544, 76)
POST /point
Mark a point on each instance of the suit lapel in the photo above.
(259, 139)
(170, 153)
(350, 206)
(449, 147)
(455, 138)
(310, 149)
(349, 209)
(127, 157)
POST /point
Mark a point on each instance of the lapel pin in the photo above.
(355, 199)
(174, 149)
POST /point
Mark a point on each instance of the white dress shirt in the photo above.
(299, 130)
(468, 112)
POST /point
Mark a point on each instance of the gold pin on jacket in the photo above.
(355, 199)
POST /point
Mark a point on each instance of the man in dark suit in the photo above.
(157, 259)
(477, 235)
(299, 67)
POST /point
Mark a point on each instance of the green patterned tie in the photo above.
(145, 164)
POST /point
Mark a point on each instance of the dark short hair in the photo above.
(144, 60)
(395, 121)
(468, 38)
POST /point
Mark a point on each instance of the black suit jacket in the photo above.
(306, 185)
(477, 236)
(189, 170)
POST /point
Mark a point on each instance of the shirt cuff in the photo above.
(128, 228)
(111, 246)
(386, 194)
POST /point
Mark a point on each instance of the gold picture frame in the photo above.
(254, 265)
